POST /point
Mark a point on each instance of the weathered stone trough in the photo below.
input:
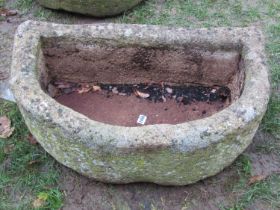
(168, 154)
(97, 8)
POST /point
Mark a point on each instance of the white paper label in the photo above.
(142, 119)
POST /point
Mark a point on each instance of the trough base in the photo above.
(125, 110)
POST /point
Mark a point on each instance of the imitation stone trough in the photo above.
(167, 154)
(97, 8)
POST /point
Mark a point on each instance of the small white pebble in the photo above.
(115, 90)
(122, 94)
(213, 91)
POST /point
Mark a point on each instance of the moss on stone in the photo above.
(162, 166)
(98, 8)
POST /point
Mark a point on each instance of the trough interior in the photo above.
(101, 62)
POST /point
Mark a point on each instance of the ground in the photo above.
(29, 176)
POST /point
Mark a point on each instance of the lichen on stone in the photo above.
(97, 8)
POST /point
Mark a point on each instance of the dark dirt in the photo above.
(163, 104)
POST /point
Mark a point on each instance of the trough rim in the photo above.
(250, 106)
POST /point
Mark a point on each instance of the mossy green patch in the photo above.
(98, 8)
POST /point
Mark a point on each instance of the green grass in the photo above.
(35, 11)
(266, 191)
(26, 170)
(35, 181)
(52, 199)
(244, 165)
(203, 13)
(2, 3)
(271, 121)
(24, 5)
(30, 6)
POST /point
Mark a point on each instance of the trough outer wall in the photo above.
(164, 154)
(97, 8)
(165, 166)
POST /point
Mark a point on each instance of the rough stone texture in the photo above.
(77, 62)
(97, 8)
(7, 31)
(164, 154)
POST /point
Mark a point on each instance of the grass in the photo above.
(51, 198)
(2, 3)
(203, 13)
(24, 5)
(244, 165)
(25, 169)
(266, 191)
(271, 121)
(35, 11)
(35, 182)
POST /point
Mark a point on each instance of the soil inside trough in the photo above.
(136, 80)
(123, 104)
